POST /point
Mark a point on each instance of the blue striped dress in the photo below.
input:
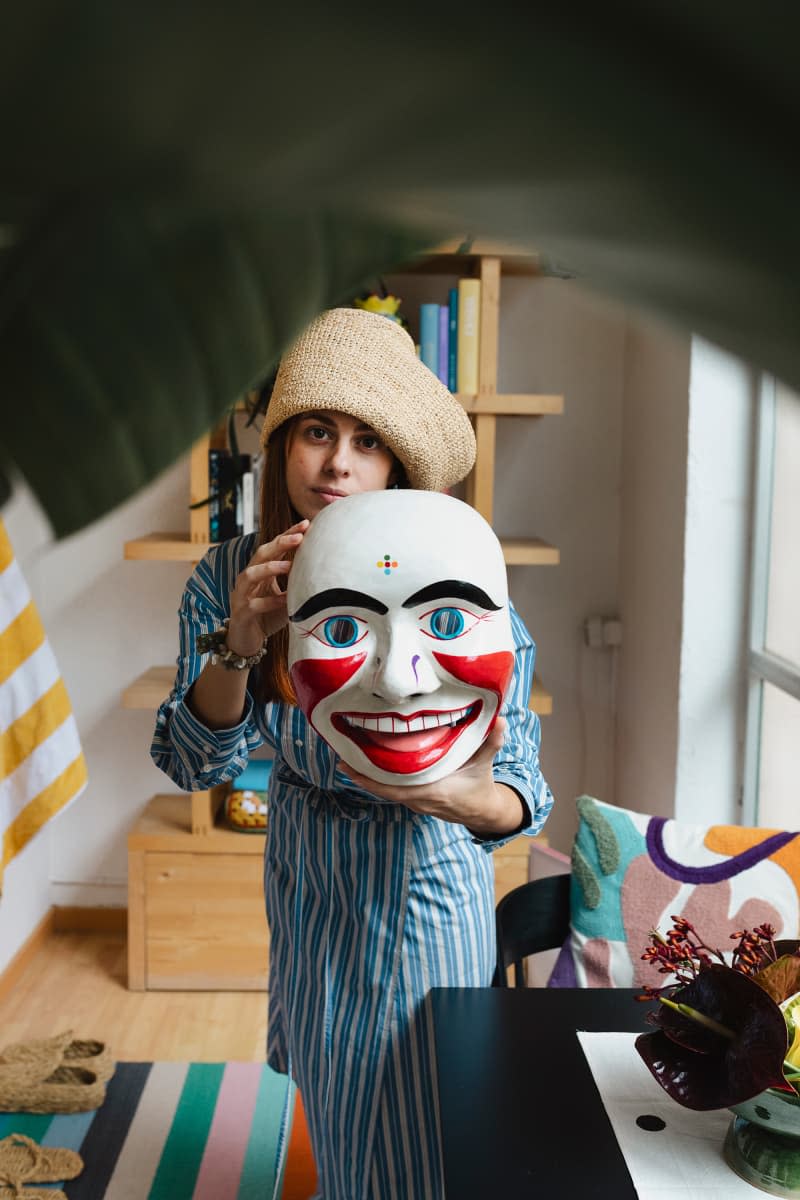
(369, 905)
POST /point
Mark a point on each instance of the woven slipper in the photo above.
(65, 1090)
(90, 1054)
(23, 1161)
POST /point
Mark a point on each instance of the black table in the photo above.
(520, 1113)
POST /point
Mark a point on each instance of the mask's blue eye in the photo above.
(340, 631)
(447, 623)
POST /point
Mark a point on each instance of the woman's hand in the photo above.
(258, 604)
(468, 797)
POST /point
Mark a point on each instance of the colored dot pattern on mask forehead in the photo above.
(387, 564)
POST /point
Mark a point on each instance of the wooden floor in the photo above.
(77, 981)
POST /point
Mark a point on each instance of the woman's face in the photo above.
(331, 455)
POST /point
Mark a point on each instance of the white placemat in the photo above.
(684, 1159)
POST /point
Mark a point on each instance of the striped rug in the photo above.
(182, 1131)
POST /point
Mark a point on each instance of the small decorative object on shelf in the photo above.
(727, 1038)
(382, 302)
(245, 806)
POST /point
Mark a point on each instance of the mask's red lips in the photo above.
(404, 745)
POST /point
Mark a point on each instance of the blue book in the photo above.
(452, 340)
(444, 343)
(429, 336)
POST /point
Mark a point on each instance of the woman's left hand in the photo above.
(468, 797)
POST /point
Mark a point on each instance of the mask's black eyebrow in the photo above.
(338, 598)
(452, 589)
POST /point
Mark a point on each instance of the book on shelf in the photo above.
(452, 339)
(246, 495)
(429, 336)
(444, 343)
(469, 307)
(257, 468)
(225, 505)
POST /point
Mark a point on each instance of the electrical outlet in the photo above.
(593, 632)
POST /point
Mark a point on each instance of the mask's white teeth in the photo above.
(398, 724)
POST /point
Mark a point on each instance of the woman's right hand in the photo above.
(258, 605)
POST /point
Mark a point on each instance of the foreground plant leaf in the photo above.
(781, 978)
(702, 1069)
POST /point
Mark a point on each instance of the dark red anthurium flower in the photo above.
(725, 1042)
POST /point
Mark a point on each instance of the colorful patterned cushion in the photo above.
(632, 872)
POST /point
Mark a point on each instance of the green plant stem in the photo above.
(700, 1018)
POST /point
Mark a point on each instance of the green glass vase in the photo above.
(762, 1144)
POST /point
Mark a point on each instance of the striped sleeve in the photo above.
(517, 763)
(191, 755)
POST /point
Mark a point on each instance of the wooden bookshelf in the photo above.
(195, 897)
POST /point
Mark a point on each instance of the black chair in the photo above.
(530, 918)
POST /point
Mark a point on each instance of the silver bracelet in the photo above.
(216, 643)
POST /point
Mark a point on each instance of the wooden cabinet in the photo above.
(196, 917)
(195, 906)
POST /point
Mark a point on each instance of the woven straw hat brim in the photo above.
(365, 365)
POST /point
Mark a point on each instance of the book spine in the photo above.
(469, 307)
(452, 341)
(429, 336)
(213, 492)
(227, 496)
(240, 469)
(258, 471)
(444, 338)
(248, 503)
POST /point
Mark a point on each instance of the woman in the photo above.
(374, 895)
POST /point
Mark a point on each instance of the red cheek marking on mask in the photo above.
(492, 672)
(316, 678)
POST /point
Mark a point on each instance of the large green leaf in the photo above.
(183, 186)
(136, 334)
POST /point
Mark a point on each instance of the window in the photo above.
(771, 790)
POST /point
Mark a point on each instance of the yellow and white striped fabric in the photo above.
(42, 767)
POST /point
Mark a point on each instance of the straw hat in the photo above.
(363, 364)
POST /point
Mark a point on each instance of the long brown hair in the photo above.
(271, 679)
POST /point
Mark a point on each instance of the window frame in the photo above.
(762, 665)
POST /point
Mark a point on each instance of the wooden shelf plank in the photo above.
(176, 547)
(166, 547)
(444, 259)
(166, 824)
(151, 687)
(529, 552)
(512, 405)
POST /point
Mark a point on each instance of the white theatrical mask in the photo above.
(400, 644)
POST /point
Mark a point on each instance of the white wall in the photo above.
(653, 484)
(602, 482)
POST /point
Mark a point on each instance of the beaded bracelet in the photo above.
(216, 643)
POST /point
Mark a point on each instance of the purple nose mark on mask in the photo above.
(414, 662)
